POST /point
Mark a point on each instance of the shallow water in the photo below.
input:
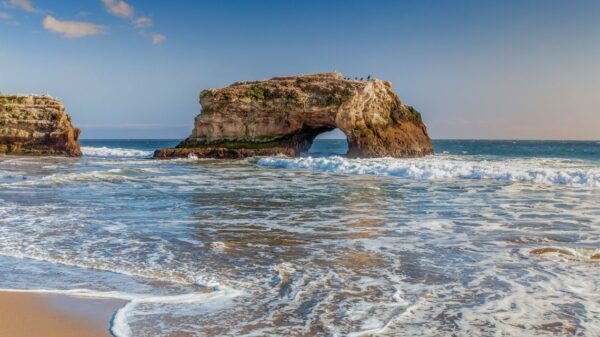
(484, 238)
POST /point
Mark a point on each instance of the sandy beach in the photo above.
(50, 315)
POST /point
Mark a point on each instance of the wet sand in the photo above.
(33, 314)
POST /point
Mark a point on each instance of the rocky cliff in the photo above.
(283, 115)
(36, 125)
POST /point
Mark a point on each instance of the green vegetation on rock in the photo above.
(256, 91)
(362, 131)
(208, 109)
(414, 115)
(257, 143)
(12, 99)
(334, 97)
(206, 94)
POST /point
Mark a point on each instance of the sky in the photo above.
(475, 69)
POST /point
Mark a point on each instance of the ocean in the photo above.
(484, 238)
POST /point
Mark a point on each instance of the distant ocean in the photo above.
(484, 238)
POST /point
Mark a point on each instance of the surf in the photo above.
(104, 151)
(536, 171)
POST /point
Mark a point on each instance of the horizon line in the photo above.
(464, 139)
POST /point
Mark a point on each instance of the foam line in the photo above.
(119, 325)
(446, 167)
(114, 152)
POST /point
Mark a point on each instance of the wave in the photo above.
(171, 276)
(582, 254)
(119, 325)
(114, 152)
(111, 176)
(448, 167)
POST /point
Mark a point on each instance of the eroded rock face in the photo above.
(36, 125)
(283, 115)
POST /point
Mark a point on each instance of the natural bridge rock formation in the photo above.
(36, 125)
(283, 115)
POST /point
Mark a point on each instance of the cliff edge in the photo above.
(283, 115)
(36, 125)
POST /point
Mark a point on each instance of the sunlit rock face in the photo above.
(36, 125)
(283, 115)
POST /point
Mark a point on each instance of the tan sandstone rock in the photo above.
(283, 115)
(36, 125)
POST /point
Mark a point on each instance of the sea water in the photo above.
(484, 238)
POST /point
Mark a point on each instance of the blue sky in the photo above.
(475, 69)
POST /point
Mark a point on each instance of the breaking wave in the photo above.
(542, 171)
(114, 152)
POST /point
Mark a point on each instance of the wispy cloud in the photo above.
(77, 29)
(124, 10)
(25, 5)
(72, 29)
(119, 8)
(5, 16)
(157, 38)
(142, 21)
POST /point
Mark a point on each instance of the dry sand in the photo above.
(49, 315)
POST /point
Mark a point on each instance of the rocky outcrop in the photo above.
(36, 125)
(283, 115)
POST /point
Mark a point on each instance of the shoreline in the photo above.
(25, 314)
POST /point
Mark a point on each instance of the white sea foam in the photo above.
(119, 324)
(207, 281)
(112, 175)
(553, 172)
(569, 253)
(114, 152)
(318, 252)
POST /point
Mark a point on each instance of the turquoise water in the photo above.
(586, 150)
(491, 238)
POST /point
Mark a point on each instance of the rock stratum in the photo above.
(36, 125)
(283, 115)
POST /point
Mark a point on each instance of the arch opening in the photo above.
(329, 143)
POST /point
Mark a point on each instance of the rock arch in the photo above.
(284, 115)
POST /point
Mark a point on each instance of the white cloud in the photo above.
(72, 29)
(142, 21)
(157, 38)
(22, 4)
(122, 9)
(119, 8)
(5, 16)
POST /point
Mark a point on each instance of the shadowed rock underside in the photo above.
(283, 115)
(36, 125)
